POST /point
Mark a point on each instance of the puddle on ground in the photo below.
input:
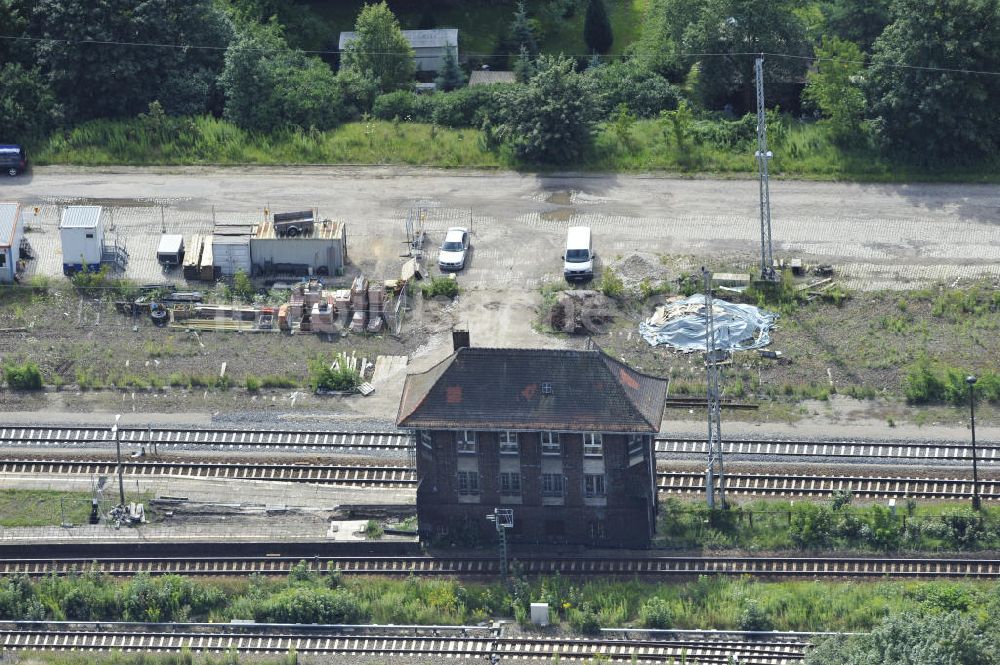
(561, 198)
(558, 215)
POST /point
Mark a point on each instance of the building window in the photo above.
(552, 484)
(550, 443)
(510, 483)
(636, 449)
(593, 485)
(595, 529)
(468, 482)
(508, 443)
(593, 444)
(3, 259)
(465, 441)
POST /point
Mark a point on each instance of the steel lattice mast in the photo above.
(763, 155)
(715, 479)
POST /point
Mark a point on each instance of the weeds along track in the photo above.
(613, 565)
(441, 641)
(319, 441)
(402, 477)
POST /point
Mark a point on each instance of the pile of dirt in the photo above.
(635, 267)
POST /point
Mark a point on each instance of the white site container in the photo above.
(82, 234)
(231, 254)
(540, 614)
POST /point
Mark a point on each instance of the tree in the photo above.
(26, 103)
(108, 80)
(907, 639)
(633, 83)
(551, 119)
(938, 114)
(597, 28)
(834, 87)
(660, 43)
(269, 86)
(858, 21)
(740, 27)
(521, 33)
(380, 49)
(524, 66)
(451, 75)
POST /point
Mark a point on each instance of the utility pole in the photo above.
(118, 451)
(503, 519)
(764, 155)
(715, 479)
(971, 380)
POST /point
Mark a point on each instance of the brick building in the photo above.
(564, 438)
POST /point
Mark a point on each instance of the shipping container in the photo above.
(322, 250)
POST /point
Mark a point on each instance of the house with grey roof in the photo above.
(562, 438)
(429, 46)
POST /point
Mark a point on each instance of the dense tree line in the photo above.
(910, 78)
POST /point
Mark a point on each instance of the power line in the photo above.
(485, 56)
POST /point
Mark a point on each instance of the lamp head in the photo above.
(970, 379)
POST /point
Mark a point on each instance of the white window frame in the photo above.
(593, 444)
(595, 485)
(426, 440)
(513, 483)
(553, 446)
(465, 442)
(558, 485)
(508, 443)
(470, 480)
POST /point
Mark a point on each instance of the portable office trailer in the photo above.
(11, 228)
(82, 233)
(171, 250)
(320, 251)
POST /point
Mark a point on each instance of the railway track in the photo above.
(772, 485)
(648, 566)
(318, 441)
(458, 643)
(354, 476)
(400, 477)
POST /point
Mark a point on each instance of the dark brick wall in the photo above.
(626, 520)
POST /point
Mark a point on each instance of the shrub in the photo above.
(656, 613)
(584, 621)
(611, 284)
(467, 107)
(440, 286)
(26, 376)
(339, 378)
(401, 104)
(754, 618)
(629, 82)
(373, 530)
(305, 605)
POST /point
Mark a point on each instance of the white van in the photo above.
(578, 261)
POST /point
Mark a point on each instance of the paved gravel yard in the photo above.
(880, 236)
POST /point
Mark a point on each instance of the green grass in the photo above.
(804, 151)
(213, 141)
(706, 602)
(41, 507)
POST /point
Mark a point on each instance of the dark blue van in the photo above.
(13, 159)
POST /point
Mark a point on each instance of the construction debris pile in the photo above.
(680, 323)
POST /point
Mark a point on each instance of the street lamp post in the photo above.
(118, 451)
(971, 380)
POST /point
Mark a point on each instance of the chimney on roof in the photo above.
(460, 339)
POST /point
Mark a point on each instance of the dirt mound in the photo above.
(635, 267)
(581, 312)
